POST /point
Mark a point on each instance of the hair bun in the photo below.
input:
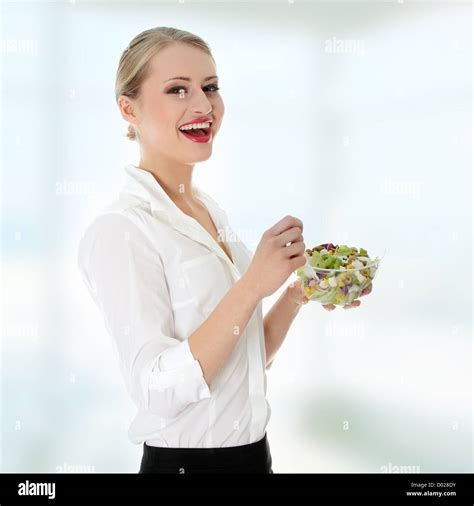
(131, 133)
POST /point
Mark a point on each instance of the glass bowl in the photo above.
(339, 286)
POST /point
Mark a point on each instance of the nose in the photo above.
(201, 104)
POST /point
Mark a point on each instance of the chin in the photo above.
(203, 157)
(198, 153)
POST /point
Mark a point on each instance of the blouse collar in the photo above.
(141, 183)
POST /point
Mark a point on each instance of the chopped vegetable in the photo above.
(336, 274)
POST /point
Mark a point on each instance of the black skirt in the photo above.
(249, 458)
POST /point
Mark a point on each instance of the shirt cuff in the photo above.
(181, 361)
(176, 356)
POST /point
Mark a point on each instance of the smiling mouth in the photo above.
(191, 130)
(197, 132)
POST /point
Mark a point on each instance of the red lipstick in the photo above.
(200, 135)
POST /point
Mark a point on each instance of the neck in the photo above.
(174, 177)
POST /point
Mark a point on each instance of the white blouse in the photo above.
(156, 274)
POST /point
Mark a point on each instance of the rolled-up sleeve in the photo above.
(124, 274)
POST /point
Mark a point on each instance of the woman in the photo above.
(182, 300)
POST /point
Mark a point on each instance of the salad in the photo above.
(336, 274)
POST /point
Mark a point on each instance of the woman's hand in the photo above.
(274, 261)
(297, 295)
(354, 303)
(296, 292)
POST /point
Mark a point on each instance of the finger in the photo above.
(297, 289)
(291, 235)
(355, 303)
(296, 262)
(295, 248)
(284, 224)
(329, 307)
(299, 302)
(367, 290)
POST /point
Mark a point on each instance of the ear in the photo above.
(128, 109)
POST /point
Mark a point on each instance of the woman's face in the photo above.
(165, 103)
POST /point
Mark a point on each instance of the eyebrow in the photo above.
(189, 79)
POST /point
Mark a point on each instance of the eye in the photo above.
(172, 90)
(216, 88)
(178, 89)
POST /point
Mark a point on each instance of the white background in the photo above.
(369, 147)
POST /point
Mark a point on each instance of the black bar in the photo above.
(295, 489)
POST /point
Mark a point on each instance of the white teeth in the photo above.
(195, 125)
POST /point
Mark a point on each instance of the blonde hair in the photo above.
(133, 67)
